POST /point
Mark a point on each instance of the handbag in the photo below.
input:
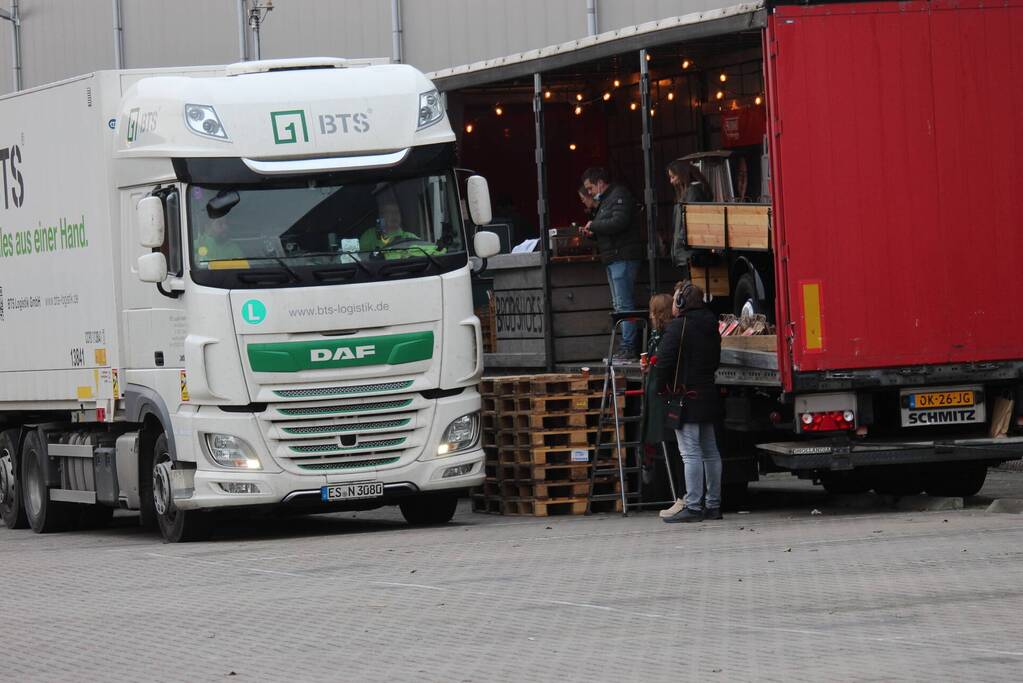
(674, 415)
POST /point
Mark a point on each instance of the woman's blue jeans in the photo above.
(701, 462)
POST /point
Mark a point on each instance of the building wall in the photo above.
(62, 38)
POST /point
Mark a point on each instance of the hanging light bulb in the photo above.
(498, 110)
(547, 95)
(723, 77)
(758, 100)
(720, 94)
(578, 97)
(617, 83)
(632, 106)
(578, 110)
(686, 64)
(671, 96)
(468, 128)
(606, 96)
(572, 146)
(648, 56)
(652, 111)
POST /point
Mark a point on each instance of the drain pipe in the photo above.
(396, 41)
(243, 15)
(118, 36)
(14, 16)
(591, 17)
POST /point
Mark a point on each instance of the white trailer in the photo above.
(241, 286)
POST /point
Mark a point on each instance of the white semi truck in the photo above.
(235, 287)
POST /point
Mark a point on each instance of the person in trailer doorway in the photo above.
(687, 359)
(619, 246)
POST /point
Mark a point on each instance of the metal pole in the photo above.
(15, 18)
(118, 35)
(254, 23)
(591, 17)
(243, 54)
(396, 46)
(648, 171)
(543, 219)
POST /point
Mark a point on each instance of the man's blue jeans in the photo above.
(621, 276)
(701, 461)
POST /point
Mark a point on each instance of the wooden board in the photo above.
(749, 227)
(718, 285)
(760, 342)
(705, 225)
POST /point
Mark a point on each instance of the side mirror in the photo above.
(149, 215)
(486, 243)
(479, 200)
(152, 267)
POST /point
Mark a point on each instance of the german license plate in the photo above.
(941, 406)
(353, 491)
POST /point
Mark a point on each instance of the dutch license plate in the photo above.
(944, 406)
(353, 491)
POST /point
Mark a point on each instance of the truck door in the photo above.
(154, 323)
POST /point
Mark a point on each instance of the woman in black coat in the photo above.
(689, 374)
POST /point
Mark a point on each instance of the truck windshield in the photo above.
(301, 229)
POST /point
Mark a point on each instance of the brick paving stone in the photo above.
(775, 595)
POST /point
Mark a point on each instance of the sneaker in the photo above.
(685, 515)
(673, 510)
(712, 513)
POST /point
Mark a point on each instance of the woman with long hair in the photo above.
(689, 186)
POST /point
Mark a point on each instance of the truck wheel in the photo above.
(429, 509)
(746, 301)
(44, 515)
(961, 480)
(895, 480)
(12, 511)
(177, 526)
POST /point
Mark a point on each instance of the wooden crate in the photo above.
(749, 226)
(705, 225)
(712, 278)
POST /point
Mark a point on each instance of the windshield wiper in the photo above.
(280, 262)
(436, 264)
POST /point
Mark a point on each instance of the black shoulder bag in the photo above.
(674, 416)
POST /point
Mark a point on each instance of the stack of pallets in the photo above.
(539, 433)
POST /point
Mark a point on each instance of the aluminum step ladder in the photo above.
(618, 454)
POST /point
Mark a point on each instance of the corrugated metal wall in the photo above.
(62, 38)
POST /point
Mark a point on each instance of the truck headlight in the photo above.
(431, 109)
(230, 451)
(462, 433)
(202, 119)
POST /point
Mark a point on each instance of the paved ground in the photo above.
(866, 594)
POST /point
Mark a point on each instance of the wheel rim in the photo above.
(33, 488)
(6, 478)
(748, 309)
(162, 490)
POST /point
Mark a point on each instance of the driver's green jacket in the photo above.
(399, 245)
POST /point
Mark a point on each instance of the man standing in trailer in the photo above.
(620, 247)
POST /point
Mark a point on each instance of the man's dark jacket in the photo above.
(701, 354)
(618, 238)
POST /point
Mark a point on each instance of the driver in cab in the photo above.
(215, 243)
(388, 232)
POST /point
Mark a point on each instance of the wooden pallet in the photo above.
(545, 490)
(556, 506)
(541, 473)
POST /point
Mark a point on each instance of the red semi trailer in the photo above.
(892, 258)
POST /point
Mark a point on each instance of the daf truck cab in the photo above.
(280, 287)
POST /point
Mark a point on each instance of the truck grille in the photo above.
(323, 392)
(346, 432)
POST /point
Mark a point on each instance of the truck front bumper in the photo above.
(842, 454)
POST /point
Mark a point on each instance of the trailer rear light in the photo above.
(828, 421)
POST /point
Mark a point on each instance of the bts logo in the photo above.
(14, 181)
(287, 125)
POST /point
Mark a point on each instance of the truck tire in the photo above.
(429, 509)
(897, 480)
(12, 511)
(44, 515)
(960, 480)
(745, 300)
(176, 526)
